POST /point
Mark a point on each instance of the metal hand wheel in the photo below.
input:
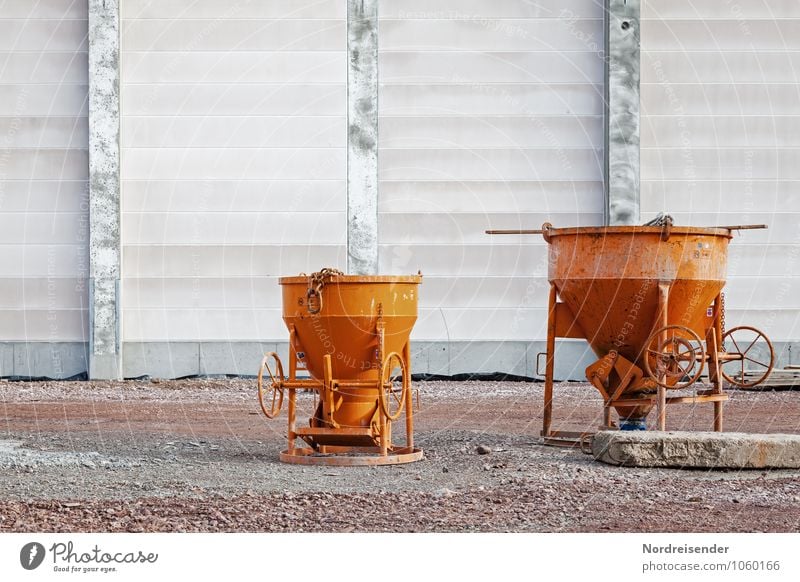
(394, 386)
(673, 354)
(739, 355)
(273, 383)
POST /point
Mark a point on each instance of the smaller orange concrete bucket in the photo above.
(351, 333)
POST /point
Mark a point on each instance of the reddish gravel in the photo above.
(522, 510)
(197, 455)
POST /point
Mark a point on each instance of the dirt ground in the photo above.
(198, 455)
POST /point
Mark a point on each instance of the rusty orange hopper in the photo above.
(351, 334)
(649, 301)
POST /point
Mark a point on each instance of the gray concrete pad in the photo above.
(697, 450)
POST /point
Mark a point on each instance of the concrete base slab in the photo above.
(240, 358)
(105, 367)
(162, 359)
(56, 360)
(697, 450)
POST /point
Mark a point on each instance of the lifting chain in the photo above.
(661, 219)
(722, 320)
(665, 221)
(316, 282)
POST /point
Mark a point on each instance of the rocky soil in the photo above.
(198, 455)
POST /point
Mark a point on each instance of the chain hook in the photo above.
(315, 284)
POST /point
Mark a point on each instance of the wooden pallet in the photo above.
(787, 378)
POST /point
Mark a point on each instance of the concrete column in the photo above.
(622, 111)
(105, 356)
(362, 137)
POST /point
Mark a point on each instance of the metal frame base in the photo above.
(567, 439)
(350, 456)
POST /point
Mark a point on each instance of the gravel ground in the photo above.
(197, 455)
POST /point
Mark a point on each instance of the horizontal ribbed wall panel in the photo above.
(46, 10)
(720, 9)
(190, 260)
(50, 261)
(234, 228)
(207, 100)
(60, 35)
(43, 293)
(485, 11)
(723, 131)
(483, 34)
(491, 116)
(44, 66)
(233, 161)
(189, 66)
(44, 226)
(41, 163)
(35, 100)
(234, 35)
(243, 195)
(221, 163)
(490, 67)
(697, 98)
(463, 99)
(214, 9)
(426, 132)
(741, 196)
(453, 196)
(492, 164)
(466, 227)
(720, 120)
(719, 66)
(47, 132)
(727, 33)
(235, 131)
(37, 325)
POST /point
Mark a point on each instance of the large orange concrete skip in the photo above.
(614, 281)
(648, 299)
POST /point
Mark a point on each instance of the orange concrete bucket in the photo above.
(648, 300)
(351, 334)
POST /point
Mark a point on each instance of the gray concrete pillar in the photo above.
(362, 137)
(622, 41)
(105, 346)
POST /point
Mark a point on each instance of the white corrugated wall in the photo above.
(43, 177)
(491, 115)
(233, 158)
(721, 141)
(233, 162)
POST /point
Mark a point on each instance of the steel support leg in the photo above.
(409, 399)
(550, 365)
(663, 302)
